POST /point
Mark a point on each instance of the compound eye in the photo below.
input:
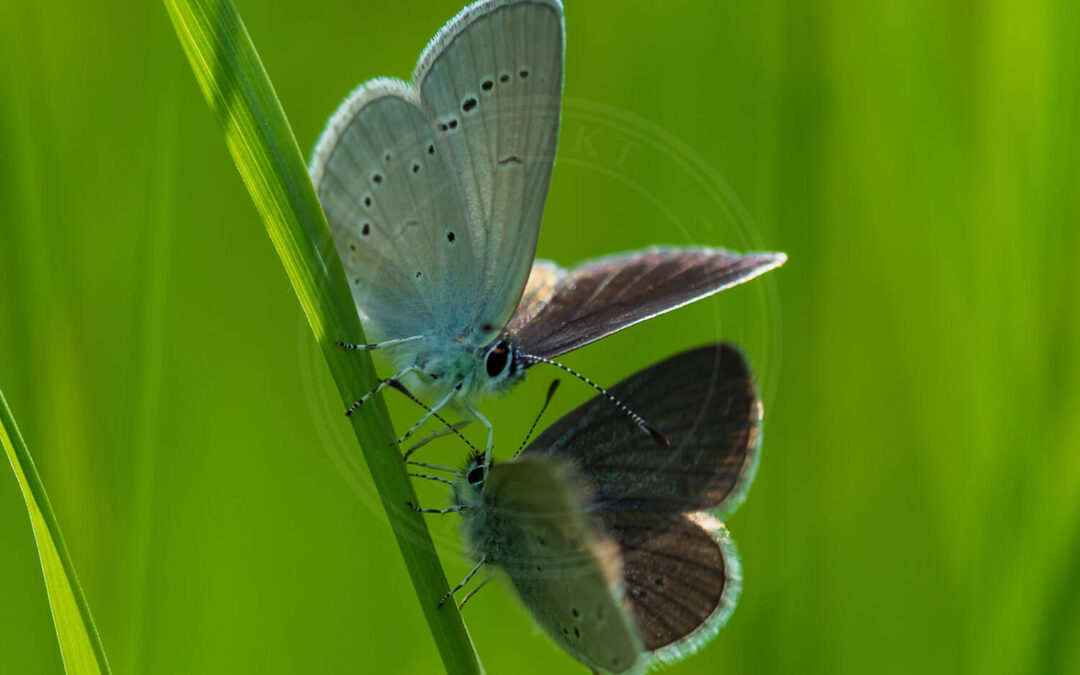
(498, 359)
(476, 475)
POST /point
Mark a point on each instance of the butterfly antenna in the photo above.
(452, 427)
(550, 393)
(637, 419)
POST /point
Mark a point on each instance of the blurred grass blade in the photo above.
(80, 644)
(264, 149)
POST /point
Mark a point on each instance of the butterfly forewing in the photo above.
(603, 296)
(704, 402)
(491, 81)
(567, 572)
(396, 212)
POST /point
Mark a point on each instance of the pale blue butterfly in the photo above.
(434, 192)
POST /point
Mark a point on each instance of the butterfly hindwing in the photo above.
(543, 281)
(395, 211)
(681, 575)
(705, 403)
(603, 296)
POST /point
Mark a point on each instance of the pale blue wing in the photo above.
(567, 572)
(396, 213)
(491, 81)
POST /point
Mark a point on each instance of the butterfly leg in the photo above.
(377, 345)
(455, 589)
(383, 384)
(472, 593)
(471, 409)
(436, 467)
(431, 411)
(427, 476)
(457, 426)
(451, 509)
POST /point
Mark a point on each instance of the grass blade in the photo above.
(236, 86)
(80, 644)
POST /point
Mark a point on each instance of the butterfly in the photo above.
(434, 190)
(613, 544)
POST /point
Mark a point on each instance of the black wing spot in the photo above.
(377, 178)
(416, 167)
(504, 77)
(417, 275)
(352, 247)
(431, 149)
(365, 229)
(523, 74)
(511, 159)
(576, 614)
(367, 200)
(469, 104)
(356, 281)
(487, 85)
(387, 157)
(453, 124)
(443, 126)
(450, 236)
(577, 632)
(487, 327)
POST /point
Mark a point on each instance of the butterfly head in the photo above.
(470, 481)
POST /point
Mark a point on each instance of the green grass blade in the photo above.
(236, 86)
(80, 644)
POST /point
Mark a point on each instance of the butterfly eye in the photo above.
(498, 358)
(476, 475)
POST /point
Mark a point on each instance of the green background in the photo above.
(917, 508)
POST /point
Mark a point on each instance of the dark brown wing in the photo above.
(681, 577)
(600, 297)
(704, 402)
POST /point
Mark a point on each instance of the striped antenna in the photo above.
(550, 393)
(637, 419)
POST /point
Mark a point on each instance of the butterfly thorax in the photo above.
(488, 530)
(473, 370)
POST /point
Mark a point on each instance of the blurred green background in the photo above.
(917, 508)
